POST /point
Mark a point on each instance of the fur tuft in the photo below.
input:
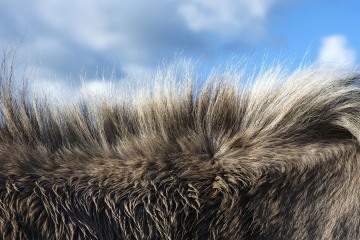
(274, 158)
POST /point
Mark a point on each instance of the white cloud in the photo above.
(80, 20)
(62, 93)
(227, 17)
(97, 88)
(335, 50)
(55, 91)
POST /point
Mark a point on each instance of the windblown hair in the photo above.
(276, 158)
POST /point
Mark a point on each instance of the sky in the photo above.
(94, 39)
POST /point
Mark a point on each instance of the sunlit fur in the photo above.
(274, 158)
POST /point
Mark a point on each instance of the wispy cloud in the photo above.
(335, 50)
(229, 17)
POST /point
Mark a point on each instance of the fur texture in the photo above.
(277, 158)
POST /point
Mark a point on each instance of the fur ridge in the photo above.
(274, 158)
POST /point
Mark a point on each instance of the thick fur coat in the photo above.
(276, 158)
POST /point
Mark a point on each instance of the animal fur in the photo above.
(277, 158)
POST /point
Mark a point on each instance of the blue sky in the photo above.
(66, 39)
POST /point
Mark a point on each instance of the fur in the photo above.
(276, 158)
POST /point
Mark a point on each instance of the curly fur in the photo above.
(277, 158)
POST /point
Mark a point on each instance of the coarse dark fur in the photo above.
(278, 158)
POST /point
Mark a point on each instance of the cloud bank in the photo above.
(71, 38)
